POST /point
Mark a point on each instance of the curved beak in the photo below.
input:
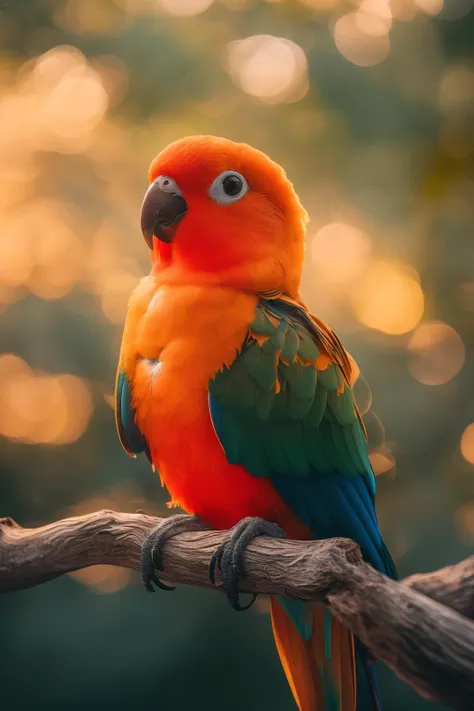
(161, 212)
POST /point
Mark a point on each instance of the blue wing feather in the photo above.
(129, 433)
(301, 429)
(318, 464)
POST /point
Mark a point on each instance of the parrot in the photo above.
(242, 400)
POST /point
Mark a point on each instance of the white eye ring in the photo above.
(222, 187)
(167, 185)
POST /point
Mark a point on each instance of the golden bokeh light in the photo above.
(79, 408)
(374, 17)
(115, 293)
(362, 38)
(40, 250)
(16, 262)
(321, 5)
(262, 605)
(88, 17)
(58, 103)
(403, 10)
(102, 579)
(75, 100)
(467, 443)
(456, 88)
(340, 253)
(381, 462)
(38, 408)
(8, 295)
(455, 137)
(465, 522)
(456, 9)
(389, 299)
(272, 69)
(185, 7)
(111, 277)
(436, 353)
(430, 7)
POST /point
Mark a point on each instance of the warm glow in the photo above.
(389, 298)
(61, 101)
(185, 7)
(79, 408)
(115, 293)
(39, 250)
(340, 253)
(431, 7)
(262, 605)
(454, 137)
(88, 17)
(456, 88)
(465, 522)
(381, 463)
(467, 443)
(375, 432)
(456, 9)
(8, 295)
(436, 353)
(102, 579)
(403, 9)
(16, 263)
(38, 408)
(362, 38)
(273, 69)
(374, 17)
(320, 4)
(362, 394)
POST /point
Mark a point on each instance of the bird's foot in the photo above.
(229, 557)
(151, 558)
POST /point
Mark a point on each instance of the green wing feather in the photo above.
(285, 410)
(284, 406)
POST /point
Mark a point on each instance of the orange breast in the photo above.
(176, 338)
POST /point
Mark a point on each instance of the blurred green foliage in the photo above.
(386, 148)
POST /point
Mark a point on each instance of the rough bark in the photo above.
(420, 626)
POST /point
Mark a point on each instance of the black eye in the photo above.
(228, 187)
(232, 185)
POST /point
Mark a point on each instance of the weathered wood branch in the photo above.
(421, 626)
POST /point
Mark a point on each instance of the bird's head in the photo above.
(224, 213)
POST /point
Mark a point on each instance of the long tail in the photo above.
(325, 669)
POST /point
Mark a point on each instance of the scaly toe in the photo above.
(151, 558)
(229, 557)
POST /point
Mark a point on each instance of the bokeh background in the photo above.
(369, 105)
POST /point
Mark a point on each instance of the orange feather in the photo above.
(304, 661)
(186, 321)
(193, 331)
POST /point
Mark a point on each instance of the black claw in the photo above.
(151, 558)
(242, 608)
(147, 565)
(215, 561)
(229, 556)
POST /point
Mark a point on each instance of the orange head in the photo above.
(223, 213)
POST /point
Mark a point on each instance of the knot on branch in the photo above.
(7, 521)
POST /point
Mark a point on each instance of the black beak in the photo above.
(162, 209)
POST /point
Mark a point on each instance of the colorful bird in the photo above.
(242, 399)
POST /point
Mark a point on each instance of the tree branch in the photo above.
(421, 626)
